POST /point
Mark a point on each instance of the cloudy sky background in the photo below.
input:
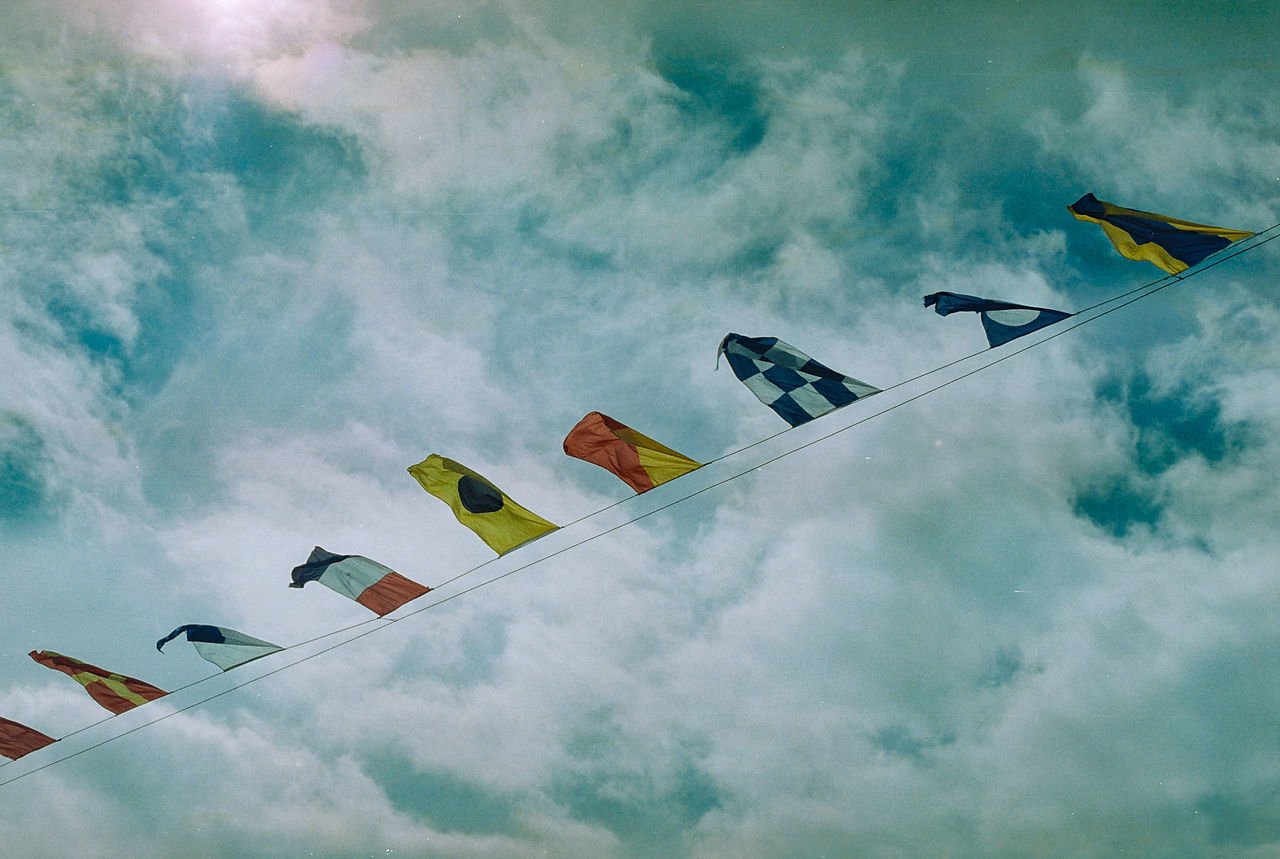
(258, 257)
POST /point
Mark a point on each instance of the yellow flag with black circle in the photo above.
(484, 508)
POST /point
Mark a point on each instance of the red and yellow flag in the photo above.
(17, 739)
(114, 691)
(638, 460)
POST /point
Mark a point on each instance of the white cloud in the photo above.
(1211, 147)
(226, 34)
(905, 638)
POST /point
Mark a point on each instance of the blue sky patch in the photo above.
(1118, 505)
(901, 741)
(648, 819)
(1182, 422)
(22, 483)
(441, 799)
(717, 91)
(1243, 821)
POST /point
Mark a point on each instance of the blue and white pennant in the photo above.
(1001, 320)
(224, 647)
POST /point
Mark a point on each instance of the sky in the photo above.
(256, 258)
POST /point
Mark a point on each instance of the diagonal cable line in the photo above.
(1116, 302)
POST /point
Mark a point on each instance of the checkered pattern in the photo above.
(788, 381)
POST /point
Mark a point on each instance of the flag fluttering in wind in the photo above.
(484, 508)
(17, 739)
(116, 692)
(224, 647)
(788, 381)
(638, 460)
(1168, 243)
(380, 589)
(1001, 320)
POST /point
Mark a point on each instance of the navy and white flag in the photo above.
(788, 381)
(1001, 320)
(224, 647)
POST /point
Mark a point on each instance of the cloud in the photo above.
(271, 256)
(226, 34)
(1209, 147)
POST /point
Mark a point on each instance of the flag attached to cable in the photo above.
(638, 460)
(380, 589)
(116, 692)
(224, 647)
(1168, 243)
(484, 508)
(17, 740)
(788, 381)
(1001, 320)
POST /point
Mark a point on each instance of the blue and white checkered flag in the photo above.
(788, 381)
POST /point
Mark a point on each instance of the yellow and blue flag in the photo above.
(1168, 243)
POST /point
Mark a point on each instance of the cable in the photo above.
(1166, 280)
(1126, 298)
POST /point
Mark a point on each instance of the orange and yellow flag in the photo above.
(638, 460)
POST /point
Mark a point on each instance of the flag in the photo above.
(788, 381)
(1168, 243)
(641, 462)
(114, 691)
(17, 740)
(380, 589)
(478, 504)
(1001, 320)
(224, 647)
